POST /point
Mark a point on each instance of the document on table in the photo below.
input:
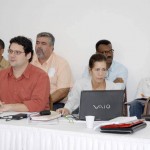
(35, 118)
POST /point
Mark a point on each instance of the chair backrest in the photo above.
(125, 108)
(147, 107)
(50, 103)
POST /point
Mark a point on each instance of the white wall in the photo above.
(78, 25)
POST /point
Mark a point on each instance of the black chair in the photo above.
(125, 107)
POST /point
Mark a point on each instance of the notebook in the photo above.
(104, 105)
(38, 117)
(123, 128)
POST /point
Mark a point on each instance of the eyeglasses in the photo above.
(103, 70)
(15, 52)
(107, 52)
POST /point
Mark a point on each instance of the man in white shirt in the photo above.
(143, 92)
(117, 72)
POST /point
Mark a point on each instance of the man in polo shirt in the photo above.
(117, 72)
(3, 62)
(57, 68)
(23, 87)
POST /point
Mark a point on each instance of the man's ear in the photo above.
(53, 48)
(28, 55)
(89, 69)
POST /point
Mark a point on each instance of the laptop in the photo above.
(104, 105)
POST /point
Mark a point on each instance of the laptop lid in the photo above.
(104, 105)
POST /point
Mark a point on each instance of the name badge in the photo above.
(51, 72)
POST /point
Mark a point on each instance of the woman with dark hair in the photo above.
(97, 81)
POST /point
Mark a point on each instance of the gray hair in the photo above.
(49, 35)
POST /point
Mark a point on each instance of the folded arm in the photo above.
(13, 107)
(40, 95)
(59, 94)
(119, 80)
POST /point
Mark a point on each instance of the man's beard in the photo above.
(40, 53)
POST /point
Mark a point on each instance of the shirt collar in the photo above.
(26, 73)
(48, 60)
(10, 71)
(112, 66)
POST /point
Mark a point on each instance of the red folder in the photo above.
(124, 125)
(128, 127)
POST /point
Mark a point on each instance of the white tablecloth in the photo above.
(20, 135)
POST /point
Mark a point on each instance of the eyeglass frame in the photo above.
(106, 52)
(16, 52)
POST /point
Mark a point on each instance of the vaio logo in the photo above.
(107, 106)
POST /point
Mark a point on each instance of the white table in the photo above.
(19, 135)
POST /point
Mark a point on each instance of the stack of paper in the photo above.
(44, 119)
(53, 115)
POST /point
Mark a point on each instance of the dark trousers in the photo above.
(58, 105)
(136, 108)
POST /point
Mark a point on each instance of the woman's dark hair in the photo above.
(96, 58)
(2, 44)
(25, 42)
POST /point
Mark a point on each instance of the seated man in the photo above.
(57, 68)
(117, 73)
(3, 62)
(143, 92)
(23, 87)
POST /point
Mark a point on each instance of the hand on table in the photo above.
(63, 111)
(4, 107)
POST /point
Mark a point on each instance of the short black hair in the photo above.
(105, 42)
(26, 43)
(96, 58)
(2, 44)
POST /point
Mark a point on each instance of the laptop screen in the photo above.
(104, 105)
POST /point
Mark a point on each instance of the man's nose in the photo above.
(38, 45)
(12, 54)
(107, 55)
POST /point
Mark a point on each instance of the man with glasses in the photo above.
(3, 62)
(23, 87)
(116, 71)
(58, 69)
